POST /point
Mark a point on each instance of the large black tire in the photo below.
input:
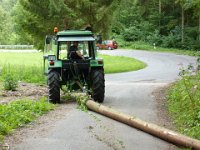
(98, 85)
(54, 86)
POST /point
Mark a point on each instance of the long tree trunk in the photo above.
(160, 7)
(150, 128)
(199, 27)
(182, 25)
(160, 12)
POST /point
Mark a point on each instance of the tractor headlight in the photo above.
(51, 57)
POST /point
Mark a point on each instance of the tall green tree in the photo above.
(41, 16)
(7, 35)
(3, 30)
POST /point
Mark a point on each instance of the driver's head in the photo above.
(75, 43)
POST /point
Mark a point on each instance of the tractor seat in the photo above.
(74, 55)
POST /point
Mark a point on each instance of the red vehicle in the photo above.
(108, 44)
(111, 44)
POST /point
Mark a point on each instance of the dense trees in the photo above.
(39, 17)
(7, 36)
(29, 20)
(168, 23)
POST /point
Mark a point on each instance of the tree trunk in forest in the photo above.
(182, 25)
(160, 11)
(160, 7)
(199, 27)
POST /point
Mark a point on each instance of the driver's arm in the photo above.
(79, 54)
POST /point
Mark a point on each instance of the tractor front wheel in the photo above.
(98, 85)
(54, 86)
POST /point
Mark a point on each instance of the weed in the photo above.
(10, 82)
(121, 143)
(184, 101)
(94, 117)
(21, 112)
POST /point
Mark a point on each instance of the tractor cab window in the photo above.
(82, 48)
(62, 50)
(50, 45)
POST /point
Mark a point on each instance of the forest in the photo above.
(164, 23)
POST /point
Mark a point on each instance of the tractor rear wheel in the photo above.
(98, 85)
(54, 86)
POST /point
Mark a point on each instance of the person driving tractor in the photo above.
(74, 53)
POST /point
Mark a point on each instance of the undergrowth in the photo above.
(10, 82)
(140, 45)
(184, 101)
(26, 73)
(19, 113)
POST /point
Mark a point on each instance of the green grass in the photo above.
(140, 45)
(28, 67)
(29, 59)
(184, 105)
(116, 64)
(19, 113)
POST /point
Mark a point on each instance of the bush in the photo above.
(10, 82)
(132, 34)
(155, 38)
(184, 101)
(21, 112)
(169, 41)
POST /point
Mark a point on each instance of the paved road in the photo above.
(128, 92)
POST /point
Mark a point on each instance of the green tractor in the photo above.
(71, 62)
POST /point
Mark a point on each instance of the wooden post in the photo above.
(150, 128)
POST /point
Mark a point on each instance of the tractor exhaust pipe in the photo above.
(160, 132)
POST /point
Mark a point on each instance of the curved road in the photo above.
(128, 92)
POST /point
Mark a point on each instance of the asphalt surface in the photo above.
(130, 93)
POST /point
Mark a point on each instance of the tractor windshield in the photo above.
(83, 48)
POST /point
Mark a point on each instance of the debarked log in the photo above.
(153, 129)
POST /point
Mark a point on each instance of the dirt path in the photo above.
(24, 91)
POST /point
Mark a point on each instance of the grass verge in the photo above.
(184, 105)
(116, 64)
(28, 67)
(140, 45)
(19, 113)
